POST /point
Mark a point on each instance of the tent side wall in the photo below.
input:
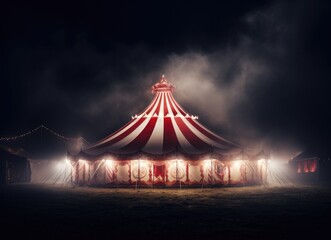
(51, 171)
(3, 171)
(13, 168)
(170, 173)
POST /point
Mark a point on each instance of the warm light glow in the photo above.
(109, 163)
(177, 169)
(181, 163)
(136, 116)
(82, 162)
(144, 164)
(60, 166)
(206, 164)
(237, 163)
(261, 162)
(141, 165)
(273, 163)
(277, 172)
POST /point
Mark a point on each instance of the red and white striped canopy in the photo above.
(161, 129)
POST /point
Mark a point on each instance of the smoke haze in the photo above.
(257, 74)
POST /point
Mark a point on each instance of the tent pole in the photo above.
(202, 170)
(211, 172)
(130, 172)
(229, 173)
(245, 173)
(180, 184)
(89, 173)
(138, 179)
(84, 168)
(95, 171)
(211, 165)
(136, 183)
(113, 173)
(77, 172)
(71, 179)
(105, 172)
(65, 173)
(187, 173)
(152, 174)
(177, 172)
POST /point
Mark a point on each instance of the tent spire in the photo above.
(163, 79)
(162, 86)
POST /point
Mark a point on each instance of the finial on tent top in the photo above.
(162, 86)
(163, 79)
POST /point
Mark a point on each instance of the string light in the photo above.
(21, 135)
(59, 135)
(40, 128)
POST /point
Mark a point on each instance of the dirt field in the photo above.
(48, 212)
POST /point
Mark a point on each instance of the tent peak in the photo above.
(162, 86)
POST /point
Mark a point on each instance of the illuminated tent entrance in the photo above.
(164, 146)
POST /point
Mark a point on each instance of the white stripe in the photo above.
(187, 147)
(126, 128)
(179, 107)
(202, 136)
(155, 142)
(199, 134)
(125, 141)
(170, 98)
(117, 134)
(161, 111)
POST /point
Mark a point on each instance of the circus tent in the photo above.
(163, 129)
(164, 145)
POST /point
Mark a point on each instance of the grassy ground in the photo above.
(48, 212)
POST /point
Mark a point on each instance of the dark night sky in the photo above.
(254, 71)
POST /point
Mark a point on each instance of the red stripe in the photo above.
(169, 137)
(119, 137)
(177, 105)
(158, 107)
(209, 135)
(156, 100)
(140, 141)
(147, 110)
(191, 137)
